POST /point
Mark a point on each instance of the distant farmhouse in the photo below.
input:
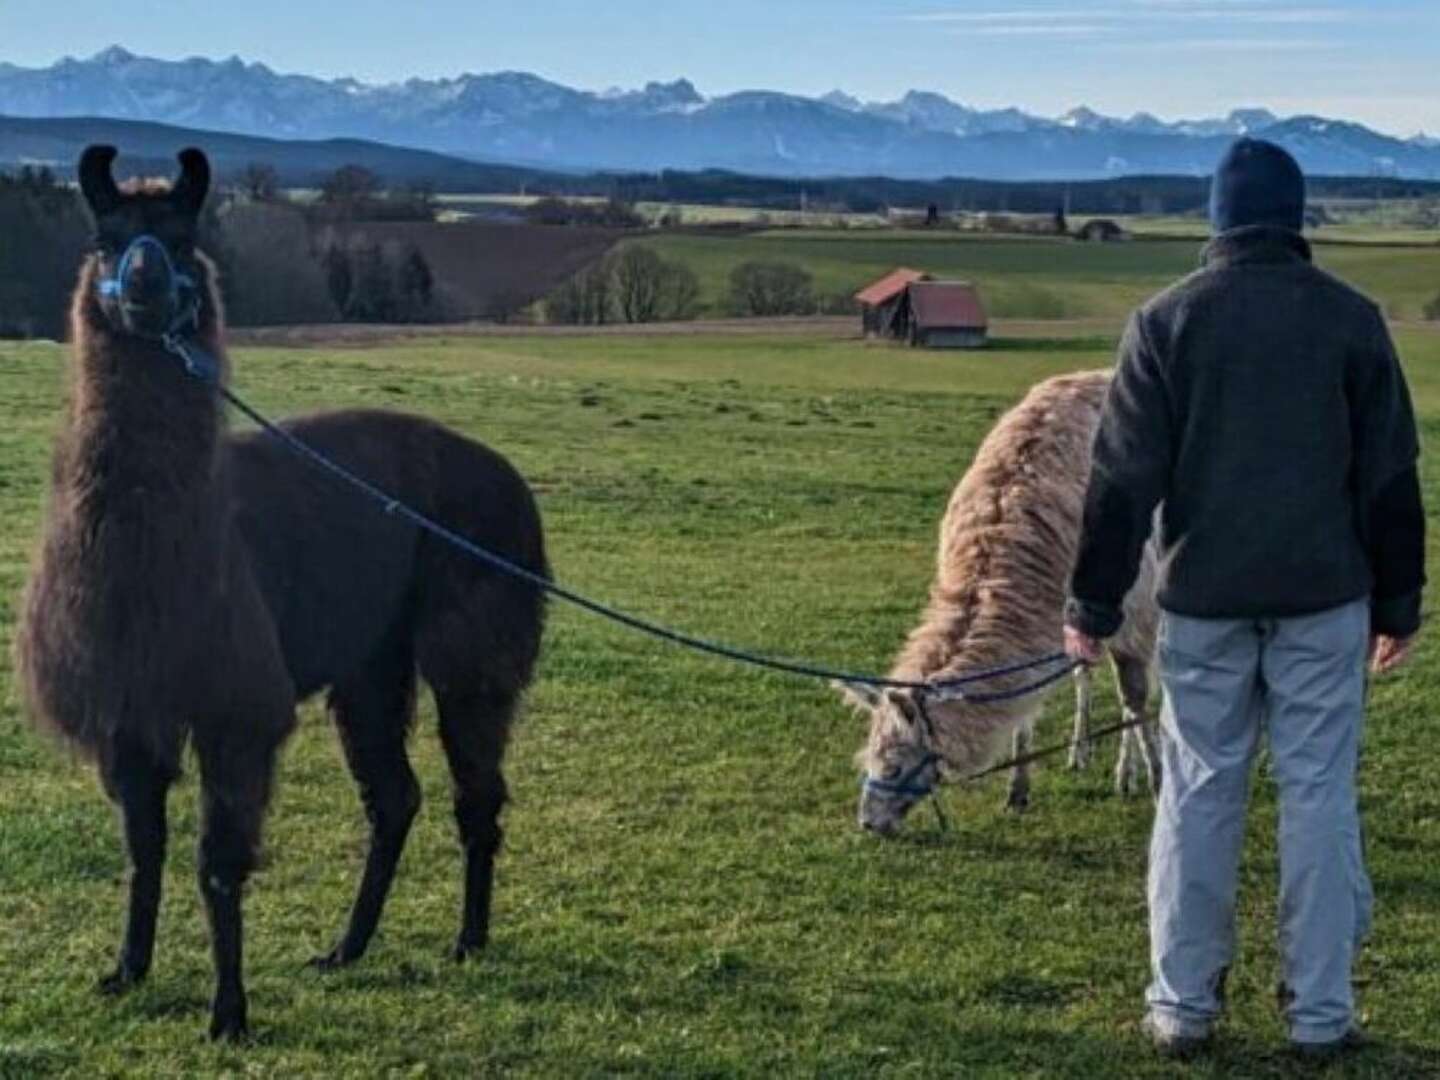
(907, 305)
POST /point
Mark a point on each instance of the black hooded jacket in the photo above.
(1260, 403)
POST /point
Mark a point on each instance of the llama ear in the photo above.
(96, 183)
(858, 695)
(904, 703)
(188, 193)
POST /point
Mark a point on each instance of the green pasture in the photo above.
(684, 891)
(1389, 223)
(1029, 278)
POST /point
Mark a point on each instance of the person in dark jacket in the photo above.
(1259, 403)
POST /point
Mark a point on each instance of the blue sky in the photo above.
(1377, 62)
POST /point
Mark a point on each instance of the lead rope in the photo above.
(200, 365)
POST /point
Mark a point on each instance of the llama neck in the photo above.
(136, 417)
(956, 636)
(137, 421)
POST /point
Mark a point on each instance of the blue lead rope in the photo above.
(201, 365)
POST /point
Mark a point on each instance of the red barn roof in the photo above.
(889, 286)
(949, 304)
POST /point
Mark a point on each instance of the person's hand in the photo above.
(1082, 648)
(1388, 653)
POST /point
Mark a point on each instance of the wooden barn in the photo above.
(945, 315)
(881, 301)
(908, 305)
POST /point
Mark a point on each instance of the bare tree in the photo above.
(43, 232)
(259, 182)
(348, 192)
(771, 288)
(597, 285)
(639, 284)
(271, 275)
(416, 284)
(566, 304)
(681, 291)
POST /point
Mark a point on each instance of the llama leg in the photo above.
(1125, 765)
(473, 728)
(373, 721)
(1132, 678)
(1080, 741)
(1017, 799)
(139, 784)
(1150, 744)
(236, 767)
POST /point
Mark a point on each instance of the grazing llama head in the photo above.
(149, 277)
(899, 762)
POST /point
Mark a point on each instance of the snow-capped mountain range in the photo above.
(519, 117)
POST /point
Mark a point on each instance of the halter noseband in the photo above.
(910, 782)
(182, 294)
(907, 783)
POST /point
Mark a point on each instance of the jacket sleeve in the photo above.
(1129, 475)
(1387, 485)
(1396, 549)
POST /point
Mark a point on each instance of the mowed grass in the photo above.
(1028, 277)
(684, 891)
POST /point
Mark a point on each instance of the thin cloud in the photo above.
(1034, 30)
(1241, 11)
(1200, 3)
(1235, 44)
(1027, 15)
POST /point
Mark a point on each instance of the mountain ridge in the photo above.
(515, 116)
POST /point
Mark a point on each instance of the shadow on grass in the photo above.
(36, 1059)
(1031, 1049)
(1410, 891)
(1088, 344)
(1096, 856)
(1262, 1059)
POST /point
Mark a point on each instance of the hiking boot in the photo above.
(1174, 1046)
(1353, 1039)
(1284, 997)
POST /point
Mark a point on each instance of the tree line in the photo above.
(282, 260)
(1123, 195)
(637, 285)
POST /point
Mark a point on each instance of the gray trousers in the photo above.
(1302, 680)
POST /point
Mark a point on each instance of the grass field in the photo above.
(1030, 278)
(1360, 221)
(684, 891)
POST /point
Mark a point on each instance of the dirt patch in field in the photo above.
(827, 328)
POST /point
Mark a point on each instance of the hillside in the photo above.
(149, 148)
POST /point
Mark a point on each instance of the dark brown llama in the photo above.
(196, 585)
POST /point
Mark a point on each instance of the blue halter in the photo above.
(183, 298)
(908, 782)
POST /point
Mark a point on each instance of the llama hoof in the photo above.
(463, 950)
(333, 960)
(228, 1023)
(1127, 780)
(119, 981)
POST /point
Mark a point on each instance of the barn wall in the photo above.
(953, 339)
